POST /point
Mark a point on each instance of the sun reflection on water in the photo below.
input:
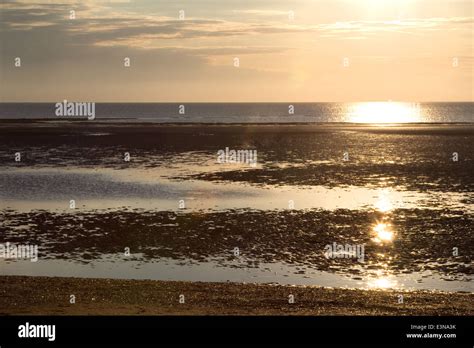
(383, 233)
(384, 112)
(383, 203)
(382, 279)
(382, 283)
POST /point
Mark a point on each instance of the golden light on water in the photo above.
(384, 112)
(381, 280)
(383, 203)
(383, 233)
(382, 283)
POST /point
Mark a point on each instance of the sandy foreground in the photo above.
(22, 295)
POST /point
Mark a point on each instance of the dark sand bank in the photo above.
(50, 296)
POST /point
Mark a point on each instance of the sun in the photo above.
(384, 112)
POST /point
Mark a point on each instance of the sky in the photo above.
(237, 51)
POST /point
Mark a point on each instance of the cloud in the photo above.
(263, 13)
(402, 26)
(102, 26)
(192, 58)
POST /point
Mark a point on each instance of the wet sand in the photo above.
(415, 156)
(50, 296)
(414, 159)
(289, 236)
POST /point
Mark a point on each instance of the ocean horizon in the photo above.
(318, 112)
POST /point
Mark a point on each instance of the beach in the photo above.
(305, 166)
(51, 296)
(173, 218)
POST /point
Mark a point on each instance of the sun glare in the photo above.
(383, 234)
(384, 112)
(382, 283)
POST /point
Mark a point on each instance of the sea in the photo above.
(365, 112)
(404, 194)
